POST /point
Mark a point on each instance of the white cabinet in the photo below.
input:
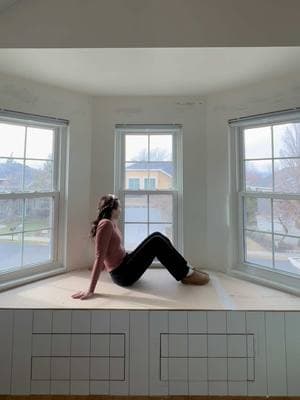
(156, 353)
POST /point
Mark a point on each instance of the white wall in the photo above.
(30, 97)
(258, 98)
(108, 111)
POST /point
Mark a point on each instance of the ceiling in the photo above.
(151, 71)
(5, 4)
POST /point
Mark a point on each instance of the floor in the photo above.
(156, 290)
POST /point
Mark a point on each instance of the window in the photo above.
(31, 180)
(153, 153)
(149, 183)
(268, 186)
(133, 183)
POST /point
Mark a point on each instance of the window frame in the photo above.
(20, 275)
(177, 192)
(237, 266)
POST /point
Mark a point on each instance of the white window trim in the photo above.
(16, 277)
(237, 267)
(176, 131)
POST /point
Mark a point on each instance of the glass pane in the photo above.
(163, 175)
(135, 208)
(287, 175)
(11, 251)
(38, 213)
(134, 234)
(134, 172)
(136, 148)
(258, 143)
(258, 175)
(287, 254)
(12, 139)
(165, 229)
(37, 247)
(258, 214)
(11, 175)
(39, 143)
(38, 175)
(161, 148)
(161, 208)
(287, 216)
(11, 214)
(286, 140)
(258, 248)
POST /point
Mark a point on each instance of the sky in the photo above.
(12, 142)
(136, 143)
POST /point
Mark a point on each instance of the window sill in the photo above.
(18, 280)
(280, 281)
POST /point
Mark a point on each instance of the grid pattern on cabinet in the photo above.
(78, 356)
(207, 357)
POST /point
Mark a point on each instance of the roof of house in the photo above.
(165, 167)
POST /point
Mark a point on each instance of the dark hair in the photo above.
(106, 204)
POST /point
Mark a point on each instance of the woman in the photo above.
(126, 268)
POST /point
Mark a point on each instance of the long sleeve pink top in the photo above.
(109, 250)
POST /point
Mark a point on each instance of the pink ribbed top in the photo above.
(109, 250)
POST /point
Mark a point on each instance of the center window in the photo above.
(148, 182)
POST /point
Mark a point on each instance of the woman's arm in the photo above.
(102, 239)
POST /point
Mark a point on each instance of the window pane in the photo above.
(258, 248)
(163, 175)
(149, 183)
(134, 234)
(161, 148)
(165, 229)
(10, 250)
(258, 143)
(287, 175)
(258, 175)
(37, 247)
(161, 208)
(11, 214)
(39, 143)
(258, 214)
(287, 216)
(134, 183)
(11, 175)
(38, 175)
(12, 139)
(286, 140)
(38, 213)
(287, 254)
(135, 208)
(135, 171)
(136, 147)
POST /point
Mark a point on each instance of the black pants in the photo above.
(135, 263)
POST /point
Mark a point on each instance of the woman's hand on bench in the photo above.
(83, 294)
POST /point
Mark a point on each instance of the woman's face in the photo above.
(116, 212)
